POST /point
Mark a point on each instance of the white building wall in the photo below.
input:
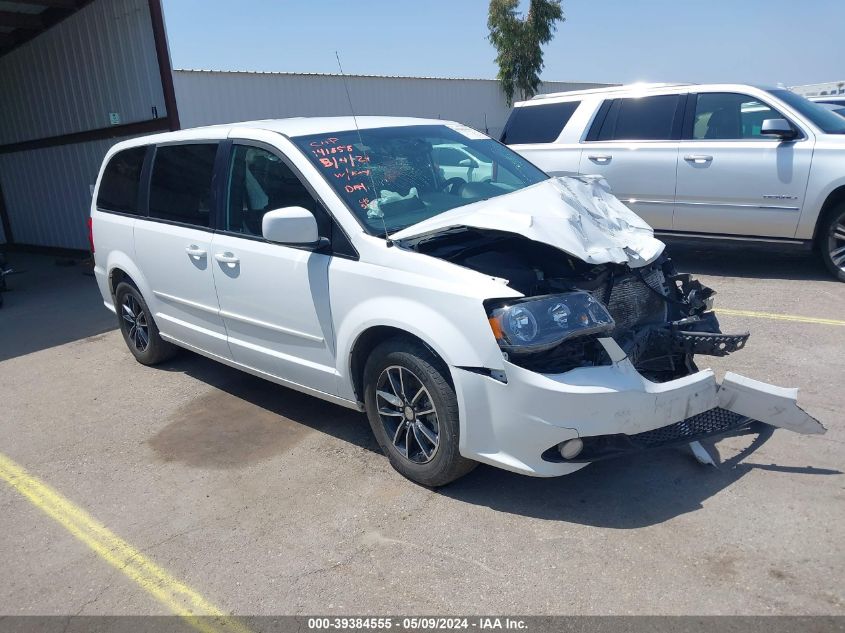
(208, 97)
(48, 192)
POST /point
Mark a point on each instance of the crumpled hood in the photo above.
(579, 215)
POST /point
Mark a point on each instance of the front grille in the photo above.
(713, 422)
(705, 424)
(631, 303)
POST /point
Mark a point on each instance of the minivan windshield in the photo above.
(827, 121)
(393, 177)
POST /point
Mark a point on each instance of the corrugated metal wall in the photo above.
(48, 192)
(207, 97)
(100, 60)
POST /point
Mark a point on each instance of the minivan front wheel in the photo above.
(138, 327)
(413, 411)
(832, 242)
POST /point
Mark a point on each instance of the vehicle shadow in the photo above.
(50, 301)
(624, 493)
(629, 492)
(248, 418)
(746, 261)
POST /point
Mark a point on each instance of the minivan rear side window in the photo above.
(640, 119)
(538, 123)
(180, 187)
(119, 185)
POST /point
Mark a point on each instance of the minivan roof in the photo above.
(299, 126)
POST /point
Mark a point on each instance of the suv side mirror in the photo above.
(291, 225)
(780, 128)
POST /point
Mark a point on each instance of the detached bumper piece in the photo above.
(742, 402)
(708, 424)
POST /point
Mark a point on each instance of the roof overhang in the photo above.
(21, 21)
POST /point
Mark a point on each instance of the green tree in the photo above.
(519, 42)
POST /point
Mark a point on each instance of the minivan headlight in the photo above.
(535, 324)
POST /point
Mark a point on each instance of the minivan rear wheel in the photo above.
(413, 411)
(138, 327)
(831, 241)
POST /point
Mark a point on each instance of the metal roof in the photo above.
(348, 75)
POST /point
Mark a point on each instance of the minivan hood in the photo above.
(578, 215)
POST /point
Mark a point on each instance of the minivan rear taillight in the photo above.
(91, 233)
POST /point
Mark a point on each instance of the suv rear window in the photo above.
(640, 119)
(119, 185)
(180, 187)
(538, 123)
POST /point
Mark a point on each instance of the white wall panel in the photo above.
(208, 97)
(47, 192)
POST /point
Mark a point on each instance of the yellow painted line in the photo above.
(779, 317)
(176, 595)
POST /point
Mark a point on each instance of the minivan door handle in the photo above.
(227, 258)
(698, 159)
(601, 159)
(195, 251)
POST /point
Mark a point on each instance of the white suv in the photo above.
(718, 161)
(524, 321)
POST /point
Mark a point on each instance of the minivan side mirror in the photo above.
(778, 127)
(290, 225)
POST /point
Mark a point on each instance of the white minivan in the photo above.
(524, 321)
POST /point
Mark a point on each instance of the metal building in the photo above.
(77, 76)
(209, 96)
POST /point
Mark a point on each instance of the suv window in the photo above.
(448, 156)
(260, 181)
(119, 185)
(730, 115)
(538, 123)
(180, 187)
(640, 119)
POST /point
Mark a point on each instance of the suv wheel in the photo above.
(138, 327)
(413, 412)
(832, 242)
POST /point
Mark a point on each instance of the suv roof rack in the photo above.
(618, 87)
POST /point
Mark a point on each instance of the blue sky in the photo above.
(747, 41)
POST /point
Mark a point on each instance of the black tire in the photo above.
(831, 239)
(421, 372)
(137, 324)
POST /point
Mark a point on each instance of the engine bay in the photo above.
(662, 317)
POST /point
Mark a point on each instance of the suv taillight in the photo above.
(91, 233)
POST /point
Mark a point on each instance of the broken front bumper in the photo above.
(518, 425)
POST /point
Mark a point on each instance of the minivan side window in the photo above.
(119, 184)
(260, 181)
(180, 186)
(538, 123)
(640, 119)
(730, 116)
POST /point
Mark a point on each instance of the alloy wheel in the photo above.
(135, 322)
(408, 414)
(836, 243)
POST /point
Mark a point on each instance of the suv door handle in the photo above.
(195, 251)
(602, 159)
(227, 258)
(698, 159)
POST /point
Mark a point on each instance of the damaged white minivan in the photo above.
(476, 309)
